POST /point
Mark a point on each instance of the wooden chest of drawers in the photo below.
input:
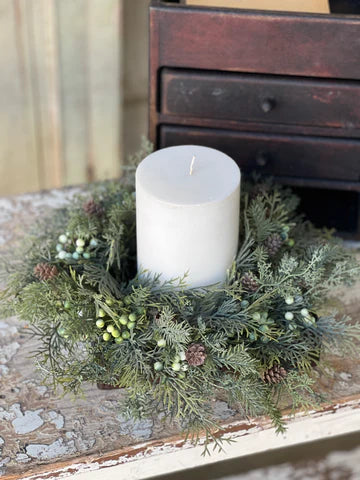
(278, 92)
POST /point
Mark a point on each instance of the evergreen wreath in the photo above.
(255, 339)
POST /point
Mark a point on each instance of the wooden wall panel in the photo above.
(105, 33)
(43, 56)
(18, 148)
(72, 22)
(60, 92)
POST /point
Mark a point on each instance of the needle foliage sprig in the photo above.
(98, 321)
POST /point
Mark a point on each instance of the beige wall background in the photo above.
(73, 90)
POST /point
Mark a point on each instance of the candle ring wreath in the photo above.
(255, 340)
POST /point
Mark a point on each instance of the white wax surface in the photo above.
(187, 223)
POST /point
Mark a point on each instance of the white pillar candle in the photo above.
(187, 214)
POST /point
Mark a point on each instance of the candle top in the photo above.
(165, 174)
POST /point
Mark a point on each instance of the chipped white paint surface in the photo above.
(168, 458)
(43, 435)
(26, 422)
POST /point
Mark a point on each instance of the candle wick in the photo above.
(192, 165)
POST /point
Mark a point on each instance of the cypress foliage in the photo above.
(97, 321)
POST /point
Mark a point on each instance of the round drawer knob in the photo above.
(262, 159)
(267, 105)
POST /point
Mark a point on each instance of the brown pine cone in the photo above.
(273, 244)
(45, 271)
(92, 208)
(273, 375)
(196, 355)
(249, 283)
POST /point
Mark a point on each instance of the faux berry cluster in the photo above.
(293, 316)
(297, 313)
(72, 250)
(178, 363)
(117, 326)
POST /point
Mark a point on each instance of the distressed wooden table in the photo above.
(46, 436)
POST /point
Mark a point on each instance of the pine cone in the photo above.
(195, 354)
(273, 375)
(92, 208)
(249, 282)
(273, 244)
(45, 271)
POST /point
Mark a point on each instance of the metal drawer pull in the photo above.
(262, 159)
(267, 105)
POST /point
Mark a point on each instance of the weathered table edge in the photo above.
(173, 454)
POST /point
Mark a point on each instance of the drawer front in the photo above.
(277, 155)
(259, 98)
(253, 41)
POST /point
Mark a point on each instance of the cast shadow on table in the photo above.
(311, 454)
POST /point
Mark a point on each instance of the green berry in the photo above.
(86, 255)
(291, 242)
(61, 331)
(106, 336)
(75, 256)
(63, 238)
(264, 328)
(125, 335)
(127, 300)
(67, 304)
(115, 333)
(131, 325)
(101, 313)
(289, 300)
(93, 242)
(256, 316)
(110, 328)
(304, 312)
(158, 366)
(123, 319)
(119, 339)
(80, 242)
(181, 375)
(289, 316)
(286, 228)
(265, 339)
(109, 302)
(244, 304)
(62, 255)
(252, 337)
(284, 235)
(177, 359)
(132, 317)
(161, 342)
(58, 303)
(100, 323)
(176, 366)
(59, 247)
(68, 255)
(79, 249)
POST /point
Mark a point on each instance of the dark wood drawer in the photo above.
(276, 155)
(254, 41)
(260, 98)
